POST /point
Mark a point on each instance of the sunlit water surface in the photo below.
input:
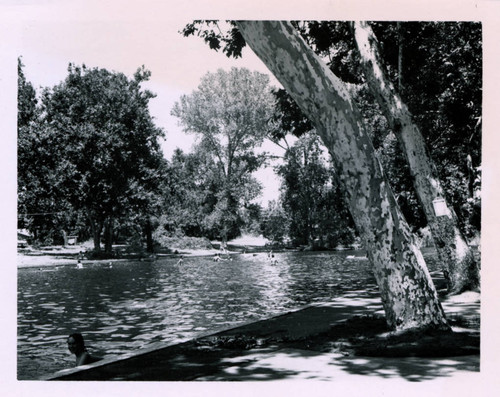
(133, 304)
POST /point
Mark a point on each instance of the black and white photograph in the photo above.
(217, 197)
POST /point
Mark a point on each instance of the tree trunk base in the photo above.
(370, 336)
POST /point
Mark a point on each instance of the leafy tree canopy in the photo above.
(230, 112)
(448, 111)
(95, 145)
(311, 197)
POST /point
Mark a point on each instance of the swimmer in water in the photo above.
(79, 264)
(76, 345)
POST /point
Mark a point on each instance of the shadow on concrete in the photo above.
(413, 369)
(312, 343)
(297, 364)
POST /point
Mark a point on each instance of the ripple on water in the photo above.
(108, 330)
(145, 303)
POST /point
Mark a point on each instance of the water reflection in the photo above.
(134, 304)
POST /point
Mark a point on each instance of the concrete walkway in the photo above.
(203, 360)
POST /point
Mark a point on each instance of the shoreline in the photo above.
(66, 256)
(40, 258)
(45, 259)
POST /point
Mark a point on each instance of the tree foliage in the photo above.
(26, 98)
(191, 195)
(275, 222)
(39, 207)
(448, 111)
(230, 113)
(94, 149)
(311, 197)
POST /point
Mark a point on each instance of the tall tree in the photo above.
(191, 195)
(408, 294)
(304, 178)
(26, 98)
(274, 225)
(448, 112)
(229, 112)
(316, 212)
(457, 258)
(104, 143)
(26, 112)
(39, 208)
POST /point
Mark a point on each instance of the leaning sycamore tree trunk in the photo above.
(457, 258)
(407, 291)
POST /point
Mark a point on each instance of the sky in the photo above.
(123, 35)
(52, 37)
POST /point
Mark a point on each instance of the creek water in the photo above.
(133, 304)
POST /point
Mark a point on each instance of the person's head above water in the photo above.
(76, 343)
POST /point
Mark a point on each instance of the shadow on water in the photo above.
(299, 345)
(133, 305)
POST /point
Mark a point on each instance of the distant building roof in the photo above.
(24, 233)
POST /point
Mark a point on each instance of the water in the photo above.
(134, 304)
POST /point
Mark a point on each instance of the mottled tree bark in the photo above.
(408, 294)
(454, 253)
(400, 58)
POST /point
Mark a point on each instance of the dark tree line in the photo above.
(88, 155)
(89, 159)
